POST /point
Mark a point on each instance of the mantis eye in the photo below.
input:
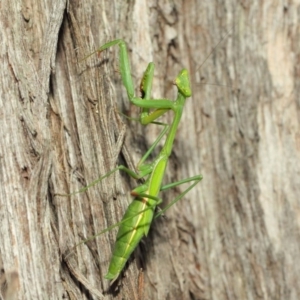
(183, 83)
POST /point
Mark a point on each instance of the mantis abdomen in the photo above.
(130, 233)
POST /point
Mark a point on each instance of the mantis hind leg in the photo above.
(158, 200)
(196, 180)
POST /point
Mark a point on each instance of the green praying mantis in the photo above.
(140, 213)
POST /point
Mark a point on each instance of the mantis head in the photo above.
(182, 82)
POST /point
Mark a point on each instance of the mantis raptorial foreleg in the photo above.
(146, 117)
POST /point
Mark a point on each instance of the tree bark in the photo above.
(236, 234)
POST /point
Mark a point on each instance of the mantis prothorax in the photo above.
(139, 215)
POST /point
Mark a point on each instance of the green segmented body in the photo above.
(129, 235)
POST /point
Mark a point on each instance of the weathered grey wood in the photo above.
(236, 235)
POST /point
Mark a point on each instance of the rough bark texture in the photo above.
(235, 235)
